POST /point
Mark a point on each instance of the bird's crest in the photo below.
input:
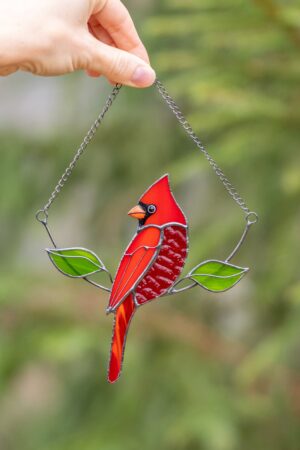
(160, 195)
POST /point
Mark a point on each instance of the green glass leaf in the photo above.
(217, 276)
(75, 262)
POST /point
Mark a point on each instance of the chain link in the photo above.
(189, 131)
(42, 214)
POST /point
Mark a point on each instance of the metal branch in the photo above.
(251, 219)
(173, 289)
(93, 283)
(240, 243)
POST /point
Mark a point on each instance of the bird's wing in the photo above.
(135, 263)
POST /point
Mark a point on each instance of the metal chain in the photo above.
(188, 129)
(42, 214)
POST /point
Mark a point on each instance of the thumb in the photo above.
(119, 65)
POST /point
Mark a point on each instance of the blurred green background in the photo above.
(202, 371)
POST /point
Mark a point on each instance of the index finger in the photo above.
(116, 20)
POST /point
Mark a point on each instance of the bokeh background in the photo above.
(202, 371)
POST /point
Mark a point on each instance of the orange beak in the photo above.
(137, 212)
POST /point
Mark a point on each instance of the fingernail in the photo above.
(143, 76)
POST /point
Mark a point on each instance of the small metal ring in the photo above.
(251, 218)
(42, 216)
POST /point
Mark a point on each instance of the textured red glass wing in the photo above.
(135, 262)
(123, 317)
(166, 267)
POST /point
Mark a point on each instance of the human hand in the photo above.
(54, 37)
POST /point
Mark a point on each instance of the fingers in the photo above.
(118, 65)
(93, 74)
(102, 35)
(116, 20)
(113, 27)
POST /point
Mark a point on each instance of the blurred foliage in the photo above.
(202, 371)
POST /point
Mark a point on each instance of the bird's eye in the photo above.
(151, 209)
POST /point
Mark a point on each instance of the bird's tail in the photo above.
(123, 316)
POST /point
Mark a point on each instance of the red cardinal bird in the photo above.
(151, 264)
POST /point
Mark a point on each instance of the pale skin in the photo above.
(55, 37)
